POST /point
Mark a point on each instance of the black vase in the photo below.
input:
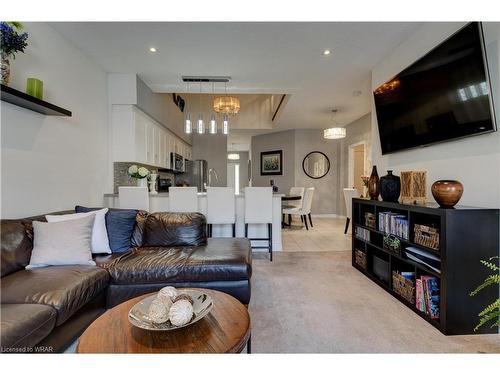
(390, 187)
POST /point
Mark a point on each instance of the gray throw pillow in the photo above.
(62, 243)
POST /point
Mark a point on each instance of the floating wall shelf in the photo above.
(21, 99)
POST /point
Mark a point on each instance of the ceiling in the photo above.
(261, 58)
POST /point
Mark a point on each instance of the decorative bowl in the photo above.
(447, 192)
(138, 314)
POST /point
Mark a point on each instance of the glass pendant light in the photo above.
(225, 124)
(213, 125)
(201, 124)
(188, 127)
(212, 129)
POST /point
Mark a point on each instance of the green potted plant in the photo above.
(12, 41)
(491, 313)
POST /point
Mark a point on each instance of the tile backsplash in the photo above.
(121, 177)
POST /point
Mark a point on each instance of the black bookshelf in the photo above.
(466, 236)
(23, 100)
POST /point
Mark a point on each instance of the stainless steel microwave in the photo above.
(176, 162)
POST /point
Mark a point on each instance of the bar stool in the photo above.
(133, 197)
(220, 208)
(183, 199)
(259, 210)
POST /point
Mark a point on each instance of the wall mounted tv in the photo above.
(444, 95)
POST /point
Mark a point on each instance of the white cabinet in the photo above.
(138, 138)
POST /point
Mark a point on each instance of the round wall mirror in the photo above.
(316, 164)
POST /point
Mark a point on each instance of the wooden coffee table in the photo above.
(226, 329)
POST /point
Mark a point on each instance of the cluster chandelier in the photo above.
(335, 132)
(224, 105)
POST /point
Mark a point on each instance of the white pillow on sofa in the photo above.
(62, 243)
(100, 241)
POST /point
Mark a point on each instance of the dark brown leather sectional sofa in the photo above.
(45, 309)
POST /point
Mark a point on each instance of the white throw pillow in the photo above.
(62, 243)
(100, 241)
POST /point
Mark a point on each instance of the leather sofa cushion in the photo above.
(220, 259)
(65, 288)
(16, 246)
(25, 325)
(17, 243)
(175, 229)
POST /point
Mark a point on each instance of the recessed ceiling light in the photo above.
(326, 52)
(152, 49)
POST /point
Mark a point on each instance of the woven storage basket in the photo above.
(360, 259)
(404, 287)
(426, 236)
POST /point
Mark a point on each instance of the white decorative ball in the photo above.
(180, 313)
(158, 311)
(169, 292)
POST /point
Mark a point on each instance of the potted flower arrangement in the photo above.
(140, 174)
(12, 41)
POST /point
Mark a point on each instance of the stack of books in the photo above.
(427, 296)
(363, 233)
(393, 223)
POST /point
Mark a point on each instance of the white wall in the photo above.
(52, 163)
(474, 161)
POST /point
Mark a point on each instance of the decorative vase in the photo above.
(34, 87)
(390, 187)
(5, 67)
(373, 184)
(142, 182)
(152, 183)
(447, 192)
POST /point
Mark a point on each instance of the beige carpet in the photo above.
(316, 302)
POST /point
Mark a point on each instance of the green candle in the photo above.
(34, 87)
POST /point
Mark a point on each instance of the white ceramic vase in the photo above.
(142, 182)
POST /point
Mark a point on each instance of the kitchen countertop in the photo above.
(165, 195)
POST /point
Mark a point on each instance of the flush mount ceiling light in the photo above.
(335, 132)
(327, 52)
(233, 156)
(152, 49)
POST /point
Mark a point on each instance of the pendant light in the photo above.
(188, 127)
(212, 129)
(201, 124)
(225, 124)
(336, 132)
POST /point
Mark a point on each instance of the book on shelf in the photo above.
(427, 296)
(362, 233)
(393, 223)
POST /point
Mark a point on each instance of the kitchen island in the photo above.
(160, 203)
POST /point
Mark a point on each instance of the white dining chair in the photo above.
(305, 210)
(133, 197)
(183, 199)
(221, 208)
(296, 191)
(349, 193)
(259, 210)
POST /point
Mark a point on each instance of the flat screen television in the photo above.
(443, 96)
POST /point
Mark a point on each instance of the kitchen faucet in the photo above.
(210, 171)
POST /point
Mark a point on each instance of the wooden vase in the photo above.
(447, 192)
(373, 184)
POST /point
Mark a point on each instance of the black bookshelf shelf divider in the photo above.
(466, 236)
(23, 100)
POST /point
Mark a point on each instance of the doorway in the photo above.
(357, 165)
